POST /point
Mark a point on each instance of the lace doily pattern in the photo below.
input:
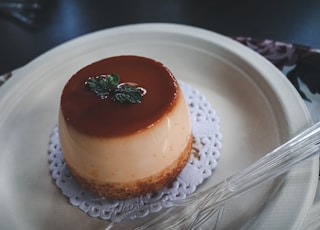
(203, 160)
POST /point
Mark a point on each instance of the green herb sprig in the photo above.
(109, 85)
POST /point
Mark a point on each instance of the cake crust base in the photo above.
(138, 187)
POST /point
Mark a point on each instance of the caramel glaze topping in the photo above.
(93, 116)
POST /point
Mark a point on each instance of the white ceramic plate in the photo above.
(257, 106)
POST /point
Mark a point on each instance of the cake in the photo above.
(121, 149)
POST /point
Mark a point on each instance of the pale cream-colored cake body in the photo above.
(138, 148)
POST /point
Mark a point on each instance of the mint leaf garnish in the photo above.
(127, 93)
(106, 86)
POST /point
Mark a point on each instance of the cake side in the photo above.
(118, 190)
(131, 157)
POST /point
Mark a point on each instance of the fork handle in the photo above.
(279, 161)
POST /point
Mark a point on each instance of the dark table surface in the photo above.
(289, 21)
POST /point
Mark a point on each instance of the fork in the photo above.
(208, 204)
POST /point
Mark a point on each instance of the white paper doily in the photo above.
(206, 151)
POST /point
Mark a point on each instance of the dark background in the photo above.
(290, 21)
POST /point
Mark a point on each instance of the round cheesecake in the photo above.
(122, 149)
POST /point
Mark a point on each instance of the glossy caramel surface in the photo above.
(88, 113)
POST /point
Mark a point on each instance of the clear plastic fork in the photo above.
(206, 205)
